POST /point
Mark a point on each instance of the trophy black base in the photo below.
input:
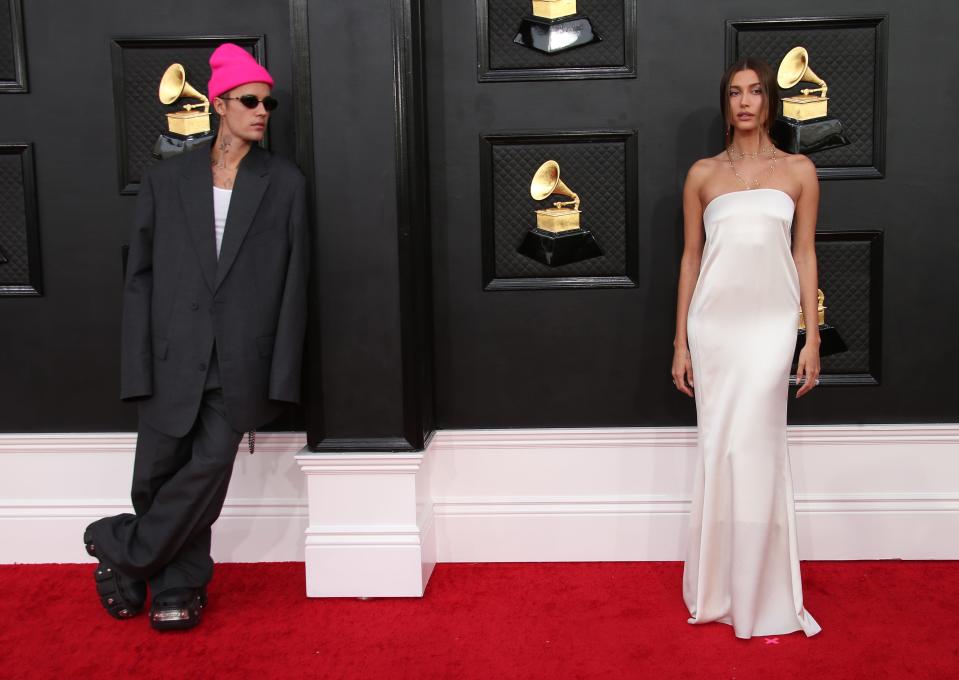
(829, 342)
(171, 144)
(565, 247)
(807, 136)
(556, 35)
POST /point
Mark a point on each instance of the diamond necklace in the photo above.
(754, 155)
(755, 182)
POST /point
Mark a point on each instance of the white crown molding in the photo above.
(350, 463)
(294, 442)
(553, 438)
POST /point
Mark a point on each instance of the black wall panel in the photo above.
(599, 167)
(369, 353)
(356, 216)
(19, 231)
(612, 55)
(853, 51)
(850, 268)
(13, 63)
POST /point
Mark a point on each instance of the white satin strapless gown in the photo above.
(742, 564)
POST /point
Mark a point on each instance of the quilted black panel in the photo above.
(13, 223)
(504, 17)
(845, 57)
(594, 170)
(7, 66)
(845, 278)
(136, 79)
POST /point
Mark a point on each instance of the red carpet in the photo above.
(596, 620)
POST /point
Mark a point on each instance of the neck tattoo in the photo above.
(223, 174)
(223, 148)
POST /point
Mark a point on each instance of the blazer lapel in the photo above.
(196, 192)
(252, 179)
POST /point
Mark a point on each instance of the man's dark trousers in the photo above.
(179, 485)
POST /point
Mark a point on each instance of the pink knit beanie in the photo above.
(232, 66)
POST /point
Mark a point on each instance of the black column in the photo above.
(368, 374)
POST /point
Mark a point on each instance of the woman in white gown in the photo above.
(749, 263)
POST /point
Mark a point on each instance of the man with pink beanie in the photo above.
(214, 315)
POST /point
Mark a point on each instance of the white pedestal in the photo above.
(370, 530)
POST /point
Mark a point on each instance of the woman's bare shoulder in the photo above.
(799, 165)
(703, 168)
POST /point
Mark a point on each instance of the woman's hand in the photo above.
(683, 371)
(807, 370)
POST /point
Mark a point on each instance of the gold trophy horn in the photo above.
(173, 86)
(794, 68)
(546, 182)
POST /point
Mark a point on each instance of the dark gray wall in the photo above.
(360, 366)
(370, 342)
(602, 357)
(531, 358)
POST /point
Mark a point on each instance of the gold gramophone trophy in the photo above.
(829, 340)
(557, 238)
(188, 128)
(554, 26)
(805, 125)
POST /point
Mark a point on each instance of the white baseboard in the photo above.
(53, 485)
(862, 492)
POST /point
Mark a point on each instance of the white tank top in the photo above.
(221, 206)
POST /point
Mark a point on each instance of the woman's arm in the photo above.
(804, 255)
(693, 242)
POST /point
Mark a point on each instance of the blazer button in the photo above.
(194, 306)
(202, 367)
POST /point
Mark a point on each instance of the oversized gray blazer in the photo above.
(179, 298)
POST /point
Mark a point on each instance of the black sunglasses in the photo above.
(251, 102)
